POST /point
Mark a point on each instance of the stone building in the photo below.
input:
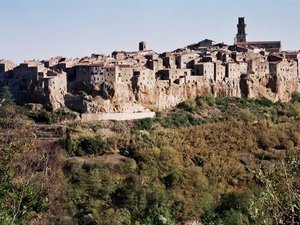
(205, 69)
(90, 73)
(295, 56)
(270, 46)
(142, 46)
(258, 67)
(6, 65)
(52, 61)
(223, 55)
(119, 55)
(145, 77)
(184, 60)
(68, 66)
(219, 72)
(6, 75)
(27, 74)
(112, 74)
(241, 33)
(284, 68)
(232, 71)
(174, 75)
(32, 82)
(125, 74)
(169, 60)
(206, 43)
(243, 67)
(154, 62)
(240, 40)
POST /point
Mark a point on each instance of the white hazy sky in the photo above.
(39, 29)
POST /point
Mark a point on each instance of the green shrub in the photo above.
(246, 116)
(189, 105)
(180, 119)
(264, 102)
(6, 97)
(144, 124)
(265, 156)
(220, 101)
(234, 217)
(266, 141)
(295, 109)
(68, 141)
(62, 114)
(296, 97)
(41, 116)
(89, 146)
(47, 117)
(244, 101)
(129, 165)
(207, 98)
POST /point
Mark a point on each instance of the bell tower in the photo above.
(241, 32)
(142, 46)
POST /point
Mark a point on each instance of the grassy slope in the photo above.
(219, 161)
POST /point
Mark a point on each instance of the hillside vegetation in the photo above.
(210, 160)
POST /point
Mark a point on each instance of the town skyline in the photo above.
(41, 31)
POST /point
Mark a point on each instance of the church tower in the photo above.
(142, 46)
(241, 34)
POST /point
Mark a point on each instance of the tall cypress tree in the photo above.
(6, 97)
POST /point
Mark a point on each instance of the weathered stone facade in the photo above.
(32, 82)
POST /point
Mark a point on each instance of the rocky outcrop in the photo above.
(112, 98)
(275, 88)
(54, 100)
(120, 97)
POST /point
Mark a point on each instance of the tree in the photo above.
(68, 141)
(6, 97)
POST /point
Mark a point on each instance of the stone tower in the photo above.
(142, 46)
(241, 34)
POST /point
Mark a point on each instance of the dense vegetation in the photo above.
(211, 160)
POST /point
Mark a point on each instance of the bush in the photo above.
(6, 97)
(295, 109)
(41, 116)
(189, 105)
(265, 141)
(181, 119)
(296, 97)
(129, 165)
(265, 156)
(221, 101)
(47, 117)
(144, 124)
(264, 102)
(209, 99)
(89, 146)
(246, 116)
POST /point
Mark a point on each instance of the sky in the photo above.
(40, 29)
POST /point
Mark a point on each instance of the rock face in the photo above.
(111, 98)
(275, 88)
(120, 97)
(54, 100)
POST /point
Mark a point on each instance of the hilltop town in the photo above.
(145, 80)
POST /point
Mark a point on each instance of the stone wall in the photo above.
(88, 117)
